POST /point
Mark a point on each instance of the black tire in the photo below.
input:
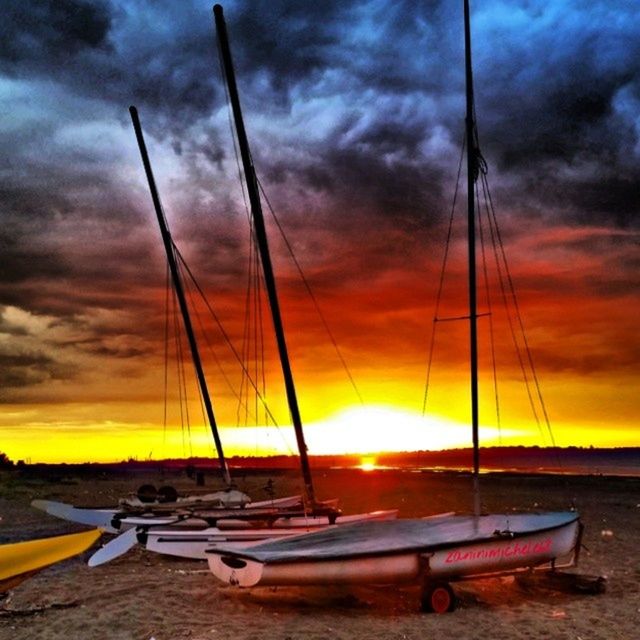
(147, 493)
(167, 494)
(438, 597)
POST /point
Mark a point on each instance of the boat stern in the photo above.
(235, 571)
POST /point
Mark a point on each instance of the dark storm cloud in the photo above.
(26, 370)
(52, 30)
(354, 111)
(112, 52)
(367, 184)
(558, 93)
(612, 197)
(555, 88)
(552, 86)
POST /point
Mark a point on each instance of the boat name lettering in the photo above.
(509, 551)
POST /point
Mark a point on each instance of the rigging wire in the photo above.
(260, 338)
(182, 395)
(167, 290)
(516, 307)
(225, 335)
(441, 280)
(507, 290)
(245, 342)
(253, 245)
(493, 223)
(512, 329)
(203, 332)
(492, 344)
(305, 281)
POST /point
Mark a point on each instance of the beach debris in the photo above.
(558, 613)
(606, 534)
(35, 609)
(563, 581)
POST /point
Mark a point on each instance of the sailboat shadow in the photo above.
(382, 601)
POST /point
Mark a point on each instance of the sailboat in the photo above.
(192, 534)
(434, 550)
(145, 512)
(191, 529)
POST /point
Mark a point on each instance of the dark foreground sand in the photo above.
(143, 595)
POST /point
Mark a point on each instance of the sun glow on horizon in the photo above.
(360, 430)
(367, 463)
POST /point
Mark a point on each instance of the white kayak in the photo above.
(402, 550)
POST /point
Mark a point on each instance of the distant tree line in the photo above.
(5, 461)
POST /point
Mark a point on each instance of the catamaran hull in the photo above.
(117, 520)
(453, 562)
(181, 542)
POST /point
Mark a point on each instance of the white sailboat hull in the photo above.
(195, 542)
(388, 560)
(116, 520)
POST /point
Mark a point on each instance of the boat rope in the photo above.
(167, 290)
(481, 168)
(307, 286)
(501, 258)
(252, 251)
(253, 245)
(487, 220)
(253, 333)
(188, 286)
(492, 345)
(180, 373)
(441, 280)
(226, 338)
(259, 341)
(259, 323)
(516, 306)
(244, 389)
(244, 349)
(500, 268)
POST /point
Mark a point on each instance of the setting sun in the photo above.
(368, 463)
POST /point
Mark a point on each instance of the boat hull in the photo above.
(447, 561)
(24, 558)
(157, 514)
(195, 542)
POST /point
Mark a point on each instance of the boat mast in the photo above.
(263, 247)
(472, 172)
(177, 283)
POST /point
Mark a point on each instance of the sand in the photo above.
(143, 595)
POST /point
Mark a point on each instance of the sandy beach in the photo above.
(143, 595)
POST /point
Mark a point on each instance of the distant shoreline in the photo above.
(574, 461)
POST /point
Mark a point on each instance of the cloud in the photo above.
(54, 30)
(354, 112)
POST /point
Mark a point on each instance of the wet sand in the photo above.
(143, 595)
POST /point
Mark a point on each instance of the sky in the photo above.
(355, 114)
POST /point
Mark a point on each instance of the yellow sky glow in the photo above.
(359, 430)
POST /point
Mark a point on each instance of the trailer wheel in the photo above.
(438, 597)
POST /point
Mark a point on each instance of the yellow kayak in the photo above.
(22, 558)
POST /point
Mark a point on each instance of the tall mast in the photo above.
(177, 283)
(263, 247)
(472, 169)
